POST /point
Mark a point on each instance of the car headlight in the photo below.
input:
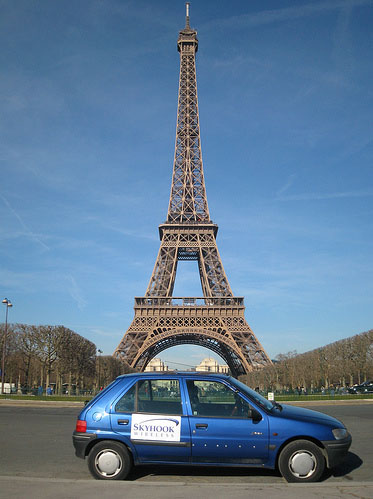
(340, 433)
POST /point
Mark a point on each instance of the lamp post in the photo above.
(99, 365)
(8, 304)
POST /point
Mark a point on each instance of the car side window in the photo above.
(127, 402)
(154, 396)
(215, 399)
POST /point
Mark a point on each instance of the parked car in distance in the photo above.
(178, 418)
(366, 387)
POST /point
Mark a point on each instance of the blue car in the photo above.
(203, 419)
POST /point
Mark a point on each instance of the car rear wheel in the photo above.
(301, 461)
(109, 461)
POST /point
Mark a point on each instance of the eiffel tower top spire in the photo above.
(187, 25)
(188, 29)
(188, 201)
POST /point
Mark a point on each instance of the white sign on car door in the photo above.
(155, 427)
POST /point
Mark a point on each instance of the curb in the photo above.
(40, 403)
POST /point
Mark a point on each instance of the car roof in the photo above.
(182, 374)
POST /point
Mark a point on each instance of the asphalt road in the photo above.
(36, 442)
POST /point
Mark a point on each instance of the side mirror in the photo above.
(254, 415)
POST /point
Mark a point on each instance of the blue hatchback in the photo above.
(203, 419)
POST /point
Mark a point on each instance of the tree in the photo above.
(350, 358)
(27, 348)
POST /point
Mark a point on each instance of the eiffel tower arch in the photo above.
(216, 320)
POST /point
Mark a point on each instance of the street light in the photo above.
(8, 304)
(99, 365)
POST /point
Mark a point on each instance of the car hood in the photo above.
(307, 415)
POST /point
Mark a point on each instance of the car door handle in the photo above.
(202, 426)
(123, 421)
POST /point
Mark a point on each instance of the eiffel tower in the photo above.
(216, 320)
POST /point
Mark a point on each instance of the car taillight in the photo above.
(81, 426)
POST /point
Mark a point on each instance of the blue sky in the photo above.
(88, 93)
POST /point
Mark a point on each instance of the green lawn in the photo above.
(279, 398)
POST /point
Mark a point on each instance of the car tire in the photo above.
(109, 460)
(301, 461)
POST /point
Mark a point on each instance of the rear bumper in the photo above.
(81, 442)
(336, 450)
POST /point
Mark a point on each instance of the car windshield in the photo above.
(259, 399)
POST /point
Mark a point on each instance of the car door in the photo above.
(225, 428)
(150, 417)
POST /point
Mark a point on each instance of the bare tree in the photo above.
(27, 347)
(332, 365)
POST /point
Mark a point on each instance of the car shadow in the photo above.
(162, 470)
(351, 463)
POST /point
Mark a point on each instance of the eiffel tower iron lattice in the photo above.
(216, 320)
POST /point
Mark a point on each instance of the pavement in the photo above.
(64, 488)
(40, 488)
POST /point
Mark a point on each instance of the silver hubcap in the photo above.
(302, 464)
(108, 463)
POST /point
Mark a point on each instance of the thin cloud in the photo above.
(286, 14)
(132, 233)
(28, 231)
(76, 293)
(314, 196)
(342, 52)
(288, 184)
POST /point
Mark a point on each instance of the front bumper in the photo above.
(81, 442)
(336, 450)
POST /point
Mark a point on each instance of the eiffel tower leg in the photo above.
(163, 277)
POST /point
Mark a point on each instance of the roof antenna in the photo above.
(187, 25)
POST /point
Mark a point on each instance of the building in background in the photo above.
(206, 365)
(211, 365)
(156, 365)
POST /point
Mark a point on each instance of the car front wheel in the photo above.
(301, 461)
(109, 461)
